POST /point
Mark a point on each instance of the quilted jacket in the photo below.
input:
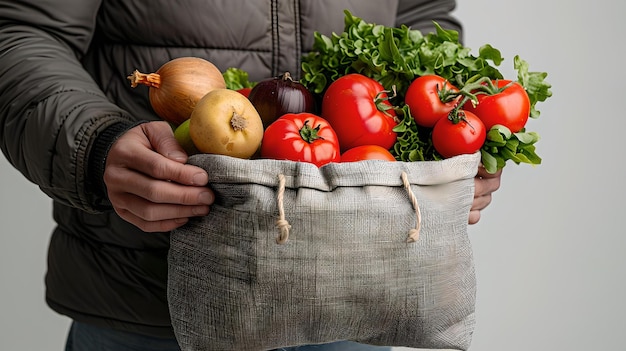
(64, 96)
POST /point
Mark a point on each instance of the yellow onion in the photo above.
(277, 96)
(178, 85)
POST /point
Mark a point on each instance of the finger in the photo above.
(481, 202)
(155, 190)
(157, 166)
(482, 173)
(152, 226)
(145, 214)
(161, 137)
(474, 217)
(134, 150)
(484, 186)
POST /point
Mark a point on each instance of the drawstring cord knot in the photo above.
(415, 232)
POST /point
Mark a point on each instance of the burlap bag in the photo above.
(375, 252)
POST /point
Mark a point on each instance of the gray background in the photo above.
(549, 251)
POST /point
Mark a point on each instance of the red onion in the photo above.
(277, 96)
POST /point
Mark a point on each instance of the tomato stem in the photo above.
(468, 92)
(309, 134)
(383, 97)
(446, 95)
(482, 86)
(457, 114)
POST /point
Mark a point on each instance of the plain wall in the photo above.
(549, 251)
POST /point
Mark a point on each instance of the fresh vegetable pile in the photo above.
(396, 57)
(370, 92)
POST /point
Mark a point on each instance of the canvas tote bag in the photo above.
(374, 251)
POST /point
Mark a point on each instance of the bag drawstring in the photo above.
(415, 232)
(282, 224)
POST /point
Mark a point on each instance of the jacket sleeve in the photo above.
(421, 14)
(51, 110)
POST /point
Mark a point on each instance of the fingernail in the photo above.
(200, 179)
(200, 210)
(177, 156)
(206, 198)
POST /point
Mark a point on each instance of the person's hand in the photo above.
(148, 182)
(484, 185)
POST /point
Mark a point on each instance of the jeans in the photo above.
(85, 337)
(337, 346)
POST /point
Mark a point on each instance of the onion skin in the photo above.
(280, 95)
(178, 85)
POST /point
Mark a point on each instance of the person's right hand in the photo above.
(148, 182)
(485, 184)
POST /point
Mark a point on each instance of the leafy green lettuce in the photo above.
(237, 78)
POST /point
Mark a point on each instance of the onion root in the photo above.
(150, 79)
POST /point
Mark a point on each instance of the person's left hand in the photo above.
(484, 185)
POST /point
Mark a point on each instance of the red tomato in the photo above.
(429, 99)
(245, 91)
(466, 136)
(301, 137)
(367, 152)
(357, 108)
(509, 107)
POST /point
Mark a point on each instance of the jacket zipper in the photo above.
(276, 40)
(275, 37)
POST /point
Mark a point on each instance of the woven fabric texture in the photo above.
(375, 252)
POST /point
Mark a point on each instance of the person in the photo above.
(118, 179)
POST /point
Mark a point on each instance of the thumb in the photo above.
(161, 137)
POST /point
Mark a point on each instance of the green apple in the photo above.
(181, 133)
